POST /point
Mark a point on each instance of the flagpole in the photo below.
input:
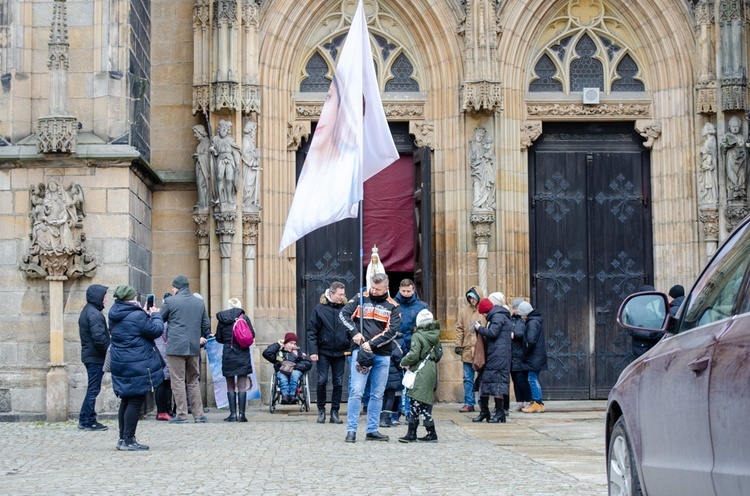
(361, 264)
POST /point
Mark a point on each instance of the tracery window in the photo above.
(586, 46)
(397, 67)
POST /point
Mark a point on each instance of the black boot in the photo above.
(484, 409)
(242, 403)
(335, 417)
(232, 397)
(321, 415)
(499, 416)
(411, 434)
(385, 419)
(431, 436)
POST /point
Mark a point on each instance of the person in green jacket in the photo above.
(422, 359)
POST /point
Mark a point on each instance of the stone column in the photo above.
(57, 377)
(200, 217)
(225, 215)
(250, 221)
(482, 222)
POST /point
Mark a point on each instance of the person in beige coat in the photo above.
(466, 339)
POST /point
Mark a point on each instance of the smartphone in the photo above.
(150, 298)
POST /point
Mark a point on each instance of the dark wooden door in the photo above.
(423, 226)
(332, 253)
(591, 246)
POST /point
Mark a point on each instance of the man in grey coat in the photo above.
(189, 328)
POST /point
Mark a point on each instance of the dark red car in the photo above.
(678, 419)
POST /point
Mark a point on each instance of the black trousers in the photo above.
(389, 398)
(128, 415)
(337, 366)
(521, 385)
(163, 397)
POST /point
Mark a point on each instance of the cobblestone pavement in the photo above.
(560, 452)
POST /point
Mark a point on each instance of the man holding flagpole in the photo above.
(352, 142)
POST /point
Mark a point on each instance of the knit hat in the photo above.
(485, 305)
(497, 298)
(517, 302)
(180, 282)
(234, 303)
(424, 317)
(290, 336)
(525, 308)
(365, 360)
(124, 292)
(472, 293)
(676, 291)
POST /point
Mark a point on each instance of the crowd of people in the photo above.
(392, 347)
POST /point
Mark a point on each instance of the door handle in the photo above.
(699, 364)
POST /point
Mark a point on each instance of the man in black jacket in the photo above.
(380, 321)
(327, 340)
(92, 327)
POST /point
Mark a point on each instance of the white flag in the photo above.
(351, 143)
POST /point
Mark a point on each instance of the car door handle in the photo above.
(699, 364)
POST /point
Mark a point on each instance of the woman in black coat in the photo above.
(496, 372)
(135, 363)
(534, 354)
(235, 360)
(519, 371)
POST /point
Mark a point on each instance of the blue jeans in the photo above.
(288, 384)
(88, 408)
(378, 375)
(469, 384)
(536, 388)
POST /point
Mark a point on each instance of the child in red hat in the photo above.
(289, 363)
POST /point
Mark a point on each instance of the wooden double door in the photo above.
(332, 253)
(590, 246)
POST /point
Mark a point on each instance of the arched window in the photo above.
(316, 80)
(545, 71)
(627, 70)
(402, 72)
(586, 71)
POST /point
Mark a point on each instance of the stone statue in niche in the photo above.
(250, 167)
(733, 147)
(483, 166)
(226, 160)
(707, 194)
(202, 159)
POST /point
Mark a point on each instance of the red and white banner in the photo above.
(351, 143)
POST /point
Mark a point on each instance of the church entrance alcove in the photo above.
(396, 219)
(590, 246)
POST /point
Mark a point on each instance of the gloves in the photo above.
(459, 350)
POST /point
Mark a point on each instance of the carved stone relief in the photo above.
(295, 132)
(530, 131)
(735, 153)
(250, 221)
(482, 95)
(226, 161)
(250, 168)
(578, 109)
(483, 165)
(202, 160)
(423, 132)
(651, 130)
(57, 250)
(708, 193)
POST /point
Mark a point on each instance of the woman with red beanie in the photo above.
(494, 378)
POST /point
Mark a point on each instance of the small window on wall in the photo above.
(317, 80)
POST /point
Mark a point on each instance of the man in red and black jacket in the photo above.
(372, 323)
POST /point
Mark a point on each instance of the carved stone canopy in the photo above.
(423, 132)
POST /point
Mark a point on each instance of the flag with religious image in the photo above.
(351, 142)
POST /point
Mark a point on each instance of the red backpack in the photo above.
(242, 334)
